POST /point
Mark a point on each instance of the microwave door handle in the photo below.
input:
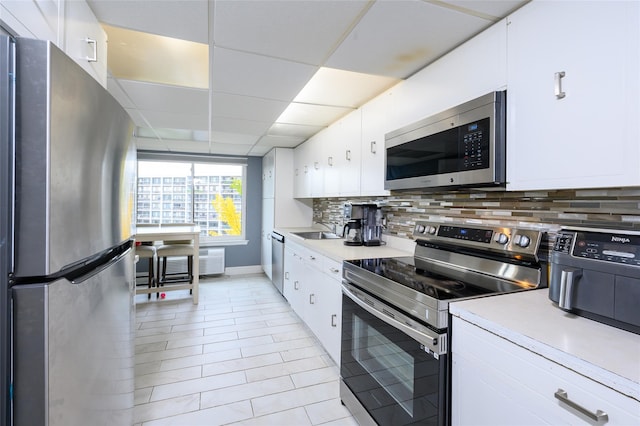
(428, 340)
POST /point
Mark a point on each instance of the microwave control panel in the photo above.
(475, 145)
(615, 247)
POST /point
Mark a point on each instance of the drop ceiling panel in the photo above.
(176, 120)
(330, 86)
(243, 127)
(303, 31)
(231, 138)
(398, 41)
(294, 130)
(494, 8)
(281, 141)
(245, 107)
(150, 144)
(312, 115)
(114, 87)
(187, 20)
(258, 76)
(160, 97)
(138, 119)
(188, 146)
(229, 149)
(259, 151)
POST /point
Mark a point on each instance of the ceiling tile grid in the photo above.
(278, 71)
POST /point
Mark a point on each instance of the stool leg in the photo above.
(190, 271)
(151, 275)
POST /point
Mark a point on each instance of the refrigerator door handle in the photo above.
(82, 270)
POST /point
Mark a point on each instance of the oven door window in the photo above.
(395, 380)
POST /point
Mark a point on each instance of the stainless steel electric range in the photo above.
(394, 358)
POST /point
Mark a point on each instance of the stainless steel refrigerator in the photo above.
(66, 260)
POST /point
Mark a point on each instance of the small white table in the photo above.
(172, 233)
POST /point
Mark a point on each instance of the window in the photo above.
(209, 194)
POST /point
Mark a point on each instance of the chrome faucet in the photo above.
(330, 226)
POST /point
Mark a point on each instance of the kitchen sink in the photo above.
(317, 235)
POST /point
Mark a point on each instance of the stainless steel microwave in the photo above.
(461, 147)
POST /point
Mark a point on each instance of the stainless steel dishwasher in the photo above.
(277, 260)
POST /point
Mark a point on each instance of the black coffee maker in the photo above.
(364, 225)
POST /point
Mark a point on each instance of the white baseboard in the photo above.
(242, 270)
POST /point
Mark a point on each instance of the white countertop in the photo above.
(336, 250)
(529, 319)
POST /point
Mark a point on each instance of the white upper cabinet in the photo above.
(69, 24)
(268, 174)
(375, 124)
(341, 148)
(85, 40)
(573, 95)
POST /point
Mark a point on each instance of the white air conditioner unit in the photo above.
(211, 262)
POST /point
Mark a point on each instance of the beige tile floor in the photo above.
(239, 357)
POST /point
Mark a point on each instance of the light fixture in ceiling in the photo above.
(172, 134)
(330, 95)
(135, 55)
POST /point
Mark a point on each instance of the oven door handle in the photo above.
(429, 340)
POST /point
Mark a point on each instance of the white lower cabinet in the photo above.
(313, 289)
(496, 382)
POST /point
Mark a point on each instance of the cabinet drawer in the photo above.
(507, 375)
(314, 260)
(333, 268)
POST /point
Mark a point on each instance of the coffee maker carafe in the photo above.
(352, 231)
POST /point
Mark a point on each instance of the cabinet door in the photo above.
(512, 385)
(375, 124)
(573, 94)
(85, 40)
(268, 174)
(348, 154)
(267, 227)
(294, 288)
(290, 260)
(331, 308)
(301, 171)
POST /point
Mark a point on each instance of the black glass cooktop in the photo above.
(402, 270)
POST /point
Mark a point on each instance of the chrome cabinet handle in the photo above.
(373, 147)
(558, 85)
(334, 270)
(598, 416)
(296, 285)
(312, 257)
(306, 169)
(94, 44)
(286, 275)
(316, 165)
(567, 280)
(330, 161)
(334, 317)
(312, 299)
(348, 155)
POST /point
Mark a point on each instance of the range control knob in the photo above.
(419, 229)
(522, 241)
(501, 238)
(431, 230)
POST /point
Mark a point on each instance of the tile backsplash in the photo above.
(545, 210)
